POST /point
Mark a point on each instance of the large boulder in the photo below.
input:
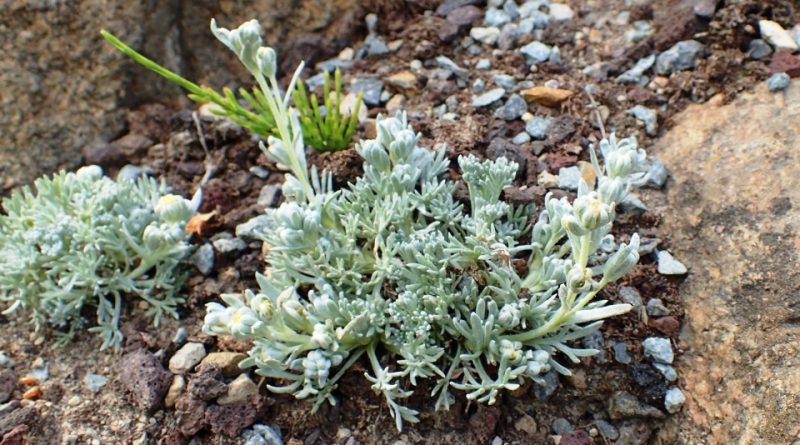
(732, 215)
(62, 87)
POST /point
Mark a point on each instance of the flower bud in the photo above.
(591, 212)
(572, 226)
(266, 60)
(621, 262)
(373, 152)
(173, 209)
(402, 146)
(154, 237)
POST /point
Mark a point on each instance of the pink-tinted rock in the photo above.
(144, 378)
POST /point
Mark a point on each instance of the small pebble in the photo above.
(187, 357)
(674, 400)
(667, 371)
(758, 49)
(608, 430)
(95, 382)
(536, 52)
(486, 35)
(483, 64)
(478, 86)
(538, 126)
(778, 82)
(521, 138)
(203, 259)
(648, 116)
(180, 336)
(562, 426)
(513, 108)
(505, 81)
(496, 17)
(668, 265)
(569, 178)
(620, 350)
(6, 361)
(488, 98)
(228, 245)
(631, 296)
(259, 172)
(658, 349)
(561, 12)
(656, 308)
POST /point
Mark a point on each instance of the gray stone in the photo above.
(496, 17)
(505, 81)
(658, 349)
(374, 47)
(6, 361)
(488, 98)
(486, 35)
(510, 7)
(229, 244)
(595, 341)
(656, 173)
(130, 172)
(521, 138)
(621, 352)
(513, 108)
(95, 382)
(597, 71)
(674, 400)
(667, 371)
(562, 426)
(631, 296)
(608, 430)
(261, 434)
(681, 56)
(41, 371)
(448, 5)
(483, 64)
(536, 52)
(529, 7)
(624, 404)
(446, 63)
(555, 56)
(543, 392)
(371, 88)
(648, 116)
(656, 308)
(561, 12)
(269, 195)
(254, 227)
(778, 82)
(758, 49)
(187, 357)
(569, 178)
(538, 126)
(440, 110)
(502, 148)
(776, 36)
(634, 75)
(478, 86)
(641, 30)
(535, 20)
(203, 259)
(180, 336)
(259, 172)
(668, 265)
(452, 103)
(509, 36)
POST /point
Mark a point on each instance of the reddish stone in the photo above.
(465, 15)
(556, 160)
(577, 437)
(191, 414)
(640, 95)
(145, 379)
(670, 326)
(17, 436)
(483, 423)
(231, 419)
(785, 62)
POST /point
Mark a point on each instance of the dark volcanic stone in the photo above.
(633, 432)
(8, 381)
(207, 384)
(144, 378)
(577, 437)
(503, 148)
(447, 32)
(651, 382)
(562, 128)
(232, 419)
(190, 413)
(17, 436)
(16, 417)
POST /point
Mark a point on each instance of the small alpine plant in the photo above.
(395, 269)
(81, 243)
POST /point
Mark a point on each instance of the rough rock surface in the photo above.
(63, 87)
(732, 215)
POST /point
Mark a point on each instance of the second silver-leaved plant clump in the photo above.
(395, 269)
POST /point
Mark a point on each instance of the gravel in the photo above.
(656, 308)
(608, 430)
(776, 36)
(636, 73)
(667, 371)
(543, 392)
(187, 358)
(513, 108)
(488, 98)
(569, 178)
(496, 17)
(254, 227)
(668, 265)
(538, 126)
(372, 89)
(261, 434)
(203, 259)
(561, 12)
(536, 52)
(521, 138)
(778, 82)
(483, 64)
(562, 426)
(758, 49)
(95, 382)
(674, 400)
(505, 81)
(681, 56)
(658, 349)
(620, 350)
(648, 116)
(485, 35)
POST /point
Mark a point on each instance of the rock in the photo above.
(254, 227)
(656, 308)
(776, 36)
(634, 432)
(598, 71)
(451, 66)
(758, 49)
(631, 296)
(521, 138)
(538, 126)
(608, 430)
(505, 81)
(674, 400)
(175, 390)
(509, 37)
(778, 82)
(561, 12)
(526, 424)
(95, 382)
(447, 32)
(448, 5)
(130, 172)
(262, 435)
(374, 47)
(594, 340)
(562, 128)
(624, 404)
(464, 16)
(669, 326)
(681, 56)
(190, 414)
(667, 265)
(488, 98)
(144, 378)
(621, 352)
(785, 62)
(536, 52)
(104, 155)
(8, 382)
(478, 86)
(562, 426)
(502, 148)
(513, 108)
(16, 416)
(510, 6)
(232, 419)
(641, 30)
(228, 244)
(656, 174)
(17, 436)
(206, 385)
(648, 116)
(239, 390)
(496, 17)
(705, 8)
(404, 80)
(371, 89)
(269, 195)
(543, 392)
(486, 35)
(550, 97)
(634, 75)
(547, 180)
(227, 362)
(658, 349)
(577, 437)
(569, 178)
(203, 259)
(6, 361)
(483, 64)
(667, 371)
(187, 357)
(651, 383)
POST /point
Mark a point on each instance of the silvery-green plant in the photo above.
(395, 269)
(81, 242)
